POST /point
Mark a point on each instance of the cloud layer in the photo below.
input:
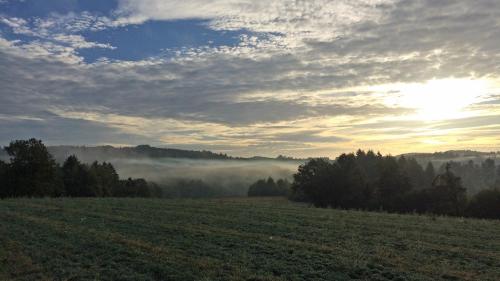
(307, 78)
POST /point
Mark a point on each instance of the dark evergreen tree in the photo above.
(78, 180)
(106, 177)
(269, 188)
(283, 187)
(349, 182)
(314, 181)
(430, 174)
(4, 186)
(416, 174)
(448, 194)
(132, 188)
(392, 186)
(32, 171)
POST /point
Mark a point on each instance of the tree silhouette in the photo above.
(4, 185)
(106, 178)
(448, 194)
(392, 185)
(430, 174)
(313, 180)
(269, 188)
(78, 180)
(32, 171)
(485, 204)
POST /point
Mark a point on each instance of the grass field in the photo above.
(236, 239)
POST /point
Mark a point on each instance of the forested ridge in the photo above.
(145, 151)
(371, 181)
(361, 180)
(33, 172)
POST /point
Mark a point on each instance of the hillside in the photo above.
(104, 153)
(452, 155)
(230, 176)
(236, 239)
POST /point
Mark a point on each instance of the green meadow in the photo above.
(236, 239)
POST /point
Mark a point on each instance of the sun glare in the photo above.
(439, 99)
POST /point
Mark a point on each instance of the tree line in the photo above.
(369, 181)
(361, 180)
(477, 176)
(33, 172)
(269, 187)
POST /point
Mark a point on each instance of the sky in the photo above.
(302, 78)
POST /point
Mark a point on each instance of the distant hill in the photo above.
(452, 155)
(102, 153)
(142, 151)
(168, 166)
(147, 151)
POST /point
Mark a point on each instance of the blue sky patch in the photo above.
(136, 42)
(130, 42)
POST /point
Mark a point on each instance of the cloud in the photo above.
(19, 25)
(301, 80)
(295, 21)
(48, 127)
(78, 42)
(51, 37)
(308, 136)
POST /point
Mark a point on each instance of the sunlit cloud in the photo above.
(437, 99)
(303, 78)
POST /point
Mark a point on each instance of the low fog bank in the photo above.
(233, 176)
(175, 169)
(459, 156)
(203, 173)
(228, 177)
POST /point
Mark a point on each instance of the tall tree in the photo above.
(106, 177)
(32, 170)
(4, 185)
(314, 180)
(415, 174)
(349, 183)
(78, 180)
(392, 186)
(448, 194)
(269, 188)
(430, 174)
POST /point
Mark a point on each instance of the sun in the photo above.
(439, 99)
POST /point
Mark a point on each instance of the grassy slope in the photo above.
(236, 239)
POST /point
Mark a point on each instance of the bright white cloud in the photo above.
(78, 42)
(322, 80)
(52, 36)
(296, 20)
